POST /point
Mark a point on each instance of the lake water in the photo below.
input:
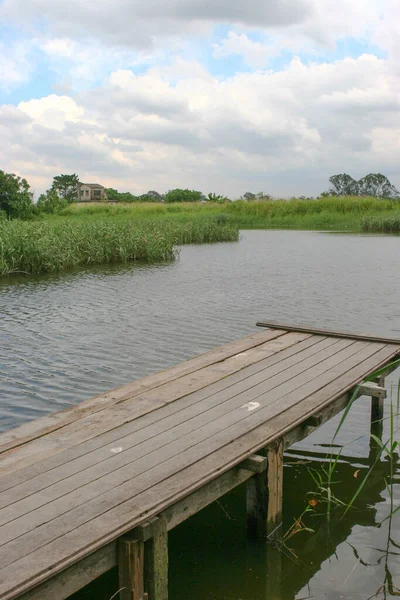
(65, 338)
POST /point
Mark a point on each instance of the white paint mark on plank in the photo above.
(116, 450)
(251, 405)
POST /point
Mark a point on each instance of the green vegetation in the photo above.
(383, 224)
(116, 196)
(323, 213)
(60, 235)
(15, 197)
(66, 187)
(329, 213)
(56, 244)
(51, 203)
(374, 184)
(179, 195)
(211, 197)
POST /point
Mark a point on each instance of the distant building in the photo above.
(91, 192)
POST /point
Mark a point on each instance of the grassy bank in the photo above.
(104, 233)
(57, 244)
(324, 213)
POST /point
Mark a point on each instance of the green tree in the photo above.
(374, 184)
(116, 196)
(112, 195)
(179, 195)
(15, 196)
(154, 196)
(343, 185)
(378, 185)
(66, 187)
(249, 197)
(127, 197)
(51, 203)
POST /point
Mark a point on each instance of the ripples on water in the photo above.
(65, 338)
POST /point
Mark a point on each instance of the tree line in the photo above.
(16, 197)
(374, 184)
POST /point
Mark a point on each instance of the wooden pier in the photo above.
(102, 483)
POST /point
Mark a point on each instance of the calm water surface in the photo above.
(69, 337)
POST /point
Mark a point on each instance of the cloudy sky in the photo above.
(218, 95)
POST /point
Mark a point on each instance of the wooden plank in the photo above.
(133, 485)
(372, 389)
(294, 345)
(130, 569)
(341, 334)
(193, 431)
(211, 491)
(379, 359)
(34, 568)
(289, 346)
(32, 520)
(52, 422)
(104, 461)
(74, 578)
(304, 429)
(255, 464)
(96, 423)
(156, 561)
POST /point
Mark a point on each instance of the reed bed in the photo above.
(383, 224)
(58, 244)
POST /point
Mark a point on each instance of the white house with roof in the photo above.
(91, 192)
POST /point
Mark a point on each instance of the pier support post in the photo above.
(377, 412)
(130, 569)
(156, 561)
(264, 496)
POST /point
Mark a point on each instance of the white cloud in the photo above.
(134, 23)
(52, 112)
(16, 65)
(284, 132)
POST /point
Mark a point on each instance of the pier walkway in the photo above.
(100, 484)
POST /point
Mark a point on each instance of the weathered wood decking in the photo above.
(74, 482)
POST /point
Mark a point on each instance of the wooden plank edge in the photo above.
(73, 579)
(328, 332)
